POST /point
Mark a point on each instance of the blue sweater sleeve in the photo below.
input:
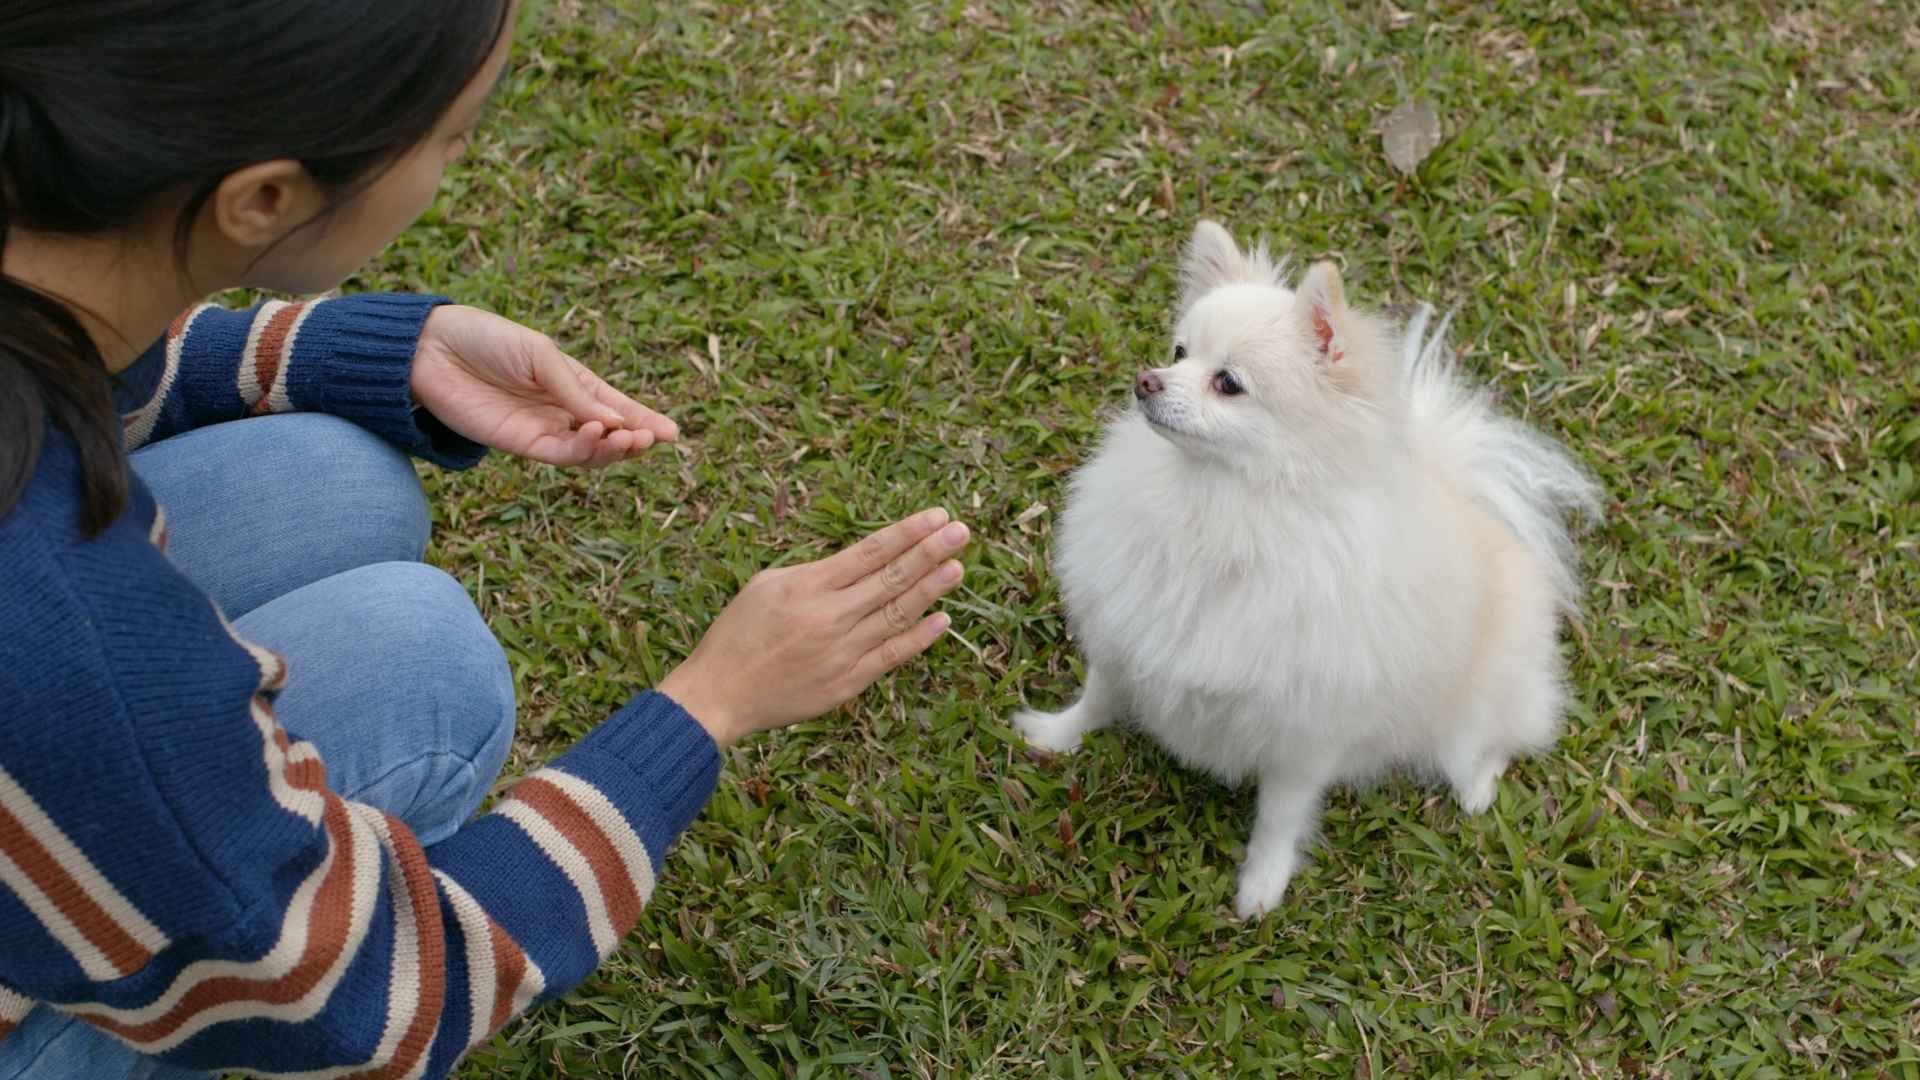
(350, 356)
(199, 892)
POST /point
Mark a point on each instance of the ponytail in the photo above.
(50, 369)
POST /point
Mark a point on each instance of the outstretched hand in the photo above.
(500, 384)
(801, 640)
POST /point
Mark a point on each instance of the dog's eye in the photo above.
(1227, 384)
(1179, 353)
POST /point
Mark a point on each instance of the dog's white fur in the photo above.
(1354, 565)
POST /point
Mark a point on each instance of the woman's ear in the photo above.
(255, 207)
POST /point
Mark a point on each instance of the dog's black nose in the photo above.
(1147, 385)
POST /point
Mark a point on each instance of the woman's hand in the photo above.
(801, 640)
(511, 388)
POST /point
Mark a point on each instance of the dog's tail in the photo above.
(1529, 481)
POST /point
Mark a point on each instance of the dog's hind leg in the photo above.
(1519, 717)
(1060, 732)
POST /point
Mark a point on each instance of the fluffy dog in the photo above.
(1309, 553)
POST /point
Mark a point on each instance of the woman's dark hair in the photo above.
(106, 106)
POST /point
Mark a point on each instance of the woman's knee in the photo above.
(372, 492)
(462, 688)
(396, 678)
(264, 506)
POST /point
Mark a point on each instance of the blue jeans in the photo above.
(309, 533)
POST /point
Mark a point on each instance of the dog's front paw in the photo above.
(1263, 881)
(1053, 732)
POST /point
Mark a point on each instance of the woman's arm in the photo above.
(441, 381)
(351, 356)
(195, 889)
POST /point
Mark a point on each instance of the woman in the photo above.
(235, 781)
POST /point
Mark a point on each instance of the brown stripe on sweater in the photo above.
(331, 920)
(267, 358)
(430, 938)
(510, 970)
(69, 896)
(309, 774)
(617, 890)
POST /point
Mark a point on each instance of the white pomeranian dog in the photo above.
(1311, 554)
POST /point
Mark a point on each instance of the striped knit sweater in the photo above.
(173, 867)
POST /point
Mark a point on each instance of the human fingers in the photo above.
(904, 571)
(872, 554)
(898, 614)
(899, 649)
(558, 375)
(632, 414)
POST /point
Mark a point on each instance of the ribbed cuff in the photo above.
(354, 359)
(656, 763)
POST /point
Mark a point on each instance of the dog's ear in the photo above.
(1211, 260)
(1322, 307)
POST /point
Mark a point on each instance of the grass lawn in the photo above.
(877, 256)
